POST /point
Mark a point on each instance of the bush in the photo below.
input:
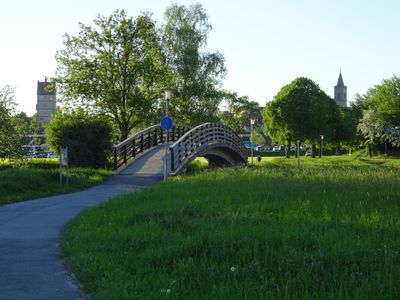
(88, 138)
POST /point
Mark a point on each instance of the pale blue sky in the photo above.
(266, 44)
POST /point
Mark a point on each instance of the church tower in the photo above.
(46, 101)
(341, 92)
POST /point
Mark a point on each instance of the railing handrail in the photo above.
(190, 131)
(144, 131)
(229, 138)
(129, 149)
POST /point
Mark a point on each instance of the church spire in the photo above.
(340, 80)
(340, 91)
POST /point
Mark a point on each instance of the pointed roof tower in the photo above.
(340, 82)
(340, 91)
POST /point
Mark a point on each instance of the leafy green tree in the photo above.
(87, 137)
(301, 110)
(196, 73)
(10, 141)
(22, 123)
(113, 68)
(381, 119)
(238, 111)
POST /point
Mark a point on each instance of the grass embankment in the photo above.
(40, 178)
(329, 230)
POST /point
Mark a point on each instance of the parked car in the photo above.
(308, 153)
(258, 148)
(277, 148)
(247, 144)
(51, 155)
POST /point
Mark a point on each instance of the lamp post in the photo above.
(167, 95)
(251, 139)
(322, 145)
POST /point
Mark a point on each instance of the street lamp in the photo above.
(322, 145)
(251, 138)
(167, 96)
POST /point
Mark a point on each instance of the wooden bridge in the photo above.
(216, 142)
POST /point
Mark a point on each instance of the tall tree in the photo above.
(10, 141)
(22, 123)
(301, 110)
(195, 72)
(381, 119)
(113, 68)
(238, 111)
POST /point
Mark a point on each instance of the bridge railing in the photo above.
(204, 135)
(127, 150)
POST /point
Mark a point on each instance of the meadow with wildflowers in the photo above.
(327, 230)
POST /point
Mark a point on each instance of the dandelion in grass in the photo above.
(233, 269)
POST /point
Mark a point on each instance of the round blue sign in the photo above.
(166, 123)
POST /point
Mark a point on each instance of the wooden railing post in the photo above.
(133, 148)
(155, 136)
(173, 134)
(125, 157)
(141, 143)
(161, 136)
(172, 159)
(115, 159)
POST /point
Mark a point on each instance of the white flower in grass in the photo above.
(166, 291)
(233, 269)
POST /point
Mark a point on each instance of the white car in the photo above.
(51, 155)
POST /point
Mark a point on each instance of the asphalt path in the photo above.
(30, 232)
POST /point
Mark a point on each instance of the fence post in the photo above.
(141, 143)
(134, 148)
(125, 158)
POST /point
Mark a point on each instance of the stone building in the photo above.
(46, 101)
(340, 95)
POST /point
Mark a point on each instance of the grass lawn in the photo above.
(329, 230)
(40, 178)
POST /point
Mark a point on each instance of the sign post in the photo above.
(166, 124)
(64, 163)
(298, 153)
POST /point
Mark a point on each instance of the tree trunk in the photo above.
(288, 149)
(297, 149)
(124, 132)
(313, 150)
(337, 149)
(386, 148)
(370, 150)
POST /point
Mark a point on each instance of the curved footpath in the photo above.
(30, 231)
